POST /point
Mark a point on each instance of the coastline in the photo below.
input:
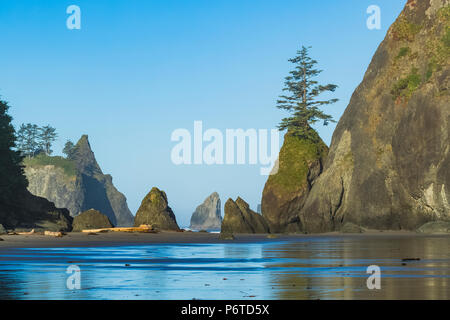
(113, 239)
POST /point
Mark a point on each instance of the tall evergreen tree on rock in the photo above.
(302, 100)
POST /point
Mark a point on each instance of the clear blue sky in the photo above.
(137, 70)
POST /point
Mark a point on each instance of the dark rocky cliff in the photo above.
(79, 188)
(389, 163)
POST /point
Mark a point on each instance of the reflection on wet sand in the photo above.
(336, 268)
(326, 267)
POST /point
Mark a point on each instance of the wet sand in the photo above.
(189, 265)
(113, 239)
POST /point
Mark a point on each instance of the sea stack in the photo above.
(300, 162)
(208, 215)
(389, 161)
(155, 211)
(239, 218)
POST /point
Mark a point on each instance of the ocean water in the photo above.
(302, 268)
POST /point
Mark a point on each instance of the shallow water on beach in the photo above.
(303, 268)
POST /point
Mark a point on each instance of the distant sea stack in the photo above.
(77, 183)
(389, 161)
(208, 215)
(300, 162)
(239, 218)
(155, 211)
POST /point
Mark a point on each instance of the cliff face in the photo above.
(27, 211)
(155, 211)
(300, 162)
(79, 184)
(389, 163)
(239, 218)
(208, 216)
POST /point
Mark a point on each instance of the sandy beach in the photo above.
(112, 239)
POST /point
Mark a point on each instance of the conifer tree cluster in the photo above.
(12, 178)
(32, 139)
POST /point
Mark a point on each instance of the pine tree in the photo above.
(47, 136)
(12, 178)
(303, 99)
(68, 148)
(29, 140)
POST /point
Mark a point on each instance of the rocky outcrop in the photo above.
(435, 227)
(2, 230)
(27, 211)
(299, 163)
(78, 184)
(208, 215)
(239, 218)
(389, 161)
(352, 228)
(91, 219)
(155, 211)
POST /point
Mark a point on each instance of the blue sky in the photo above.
(137, 70)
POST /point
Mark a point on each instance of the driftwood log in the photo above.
(144, 228)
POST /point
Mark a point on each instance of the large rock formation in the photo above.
(78, 184)
(389, 162)
(155, 211)
(239, 218)
(208, 216)
(90, 219)
(27, 211)
(300, 162)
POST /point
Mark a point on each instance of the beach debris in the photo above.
(26, 233)
(56, 234)
(92, 234)
(1, 239)
(411, 259)
(143, 228)
(225, 279)
(226, 236)
(127, 265)
(272, 236)
(12, 233)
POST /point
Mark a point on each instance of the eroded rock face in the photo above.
(208, 215)
(87, 187)
(155, 211)
(300, 162)
(239, 218)
(90, 219)
(389, 163)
